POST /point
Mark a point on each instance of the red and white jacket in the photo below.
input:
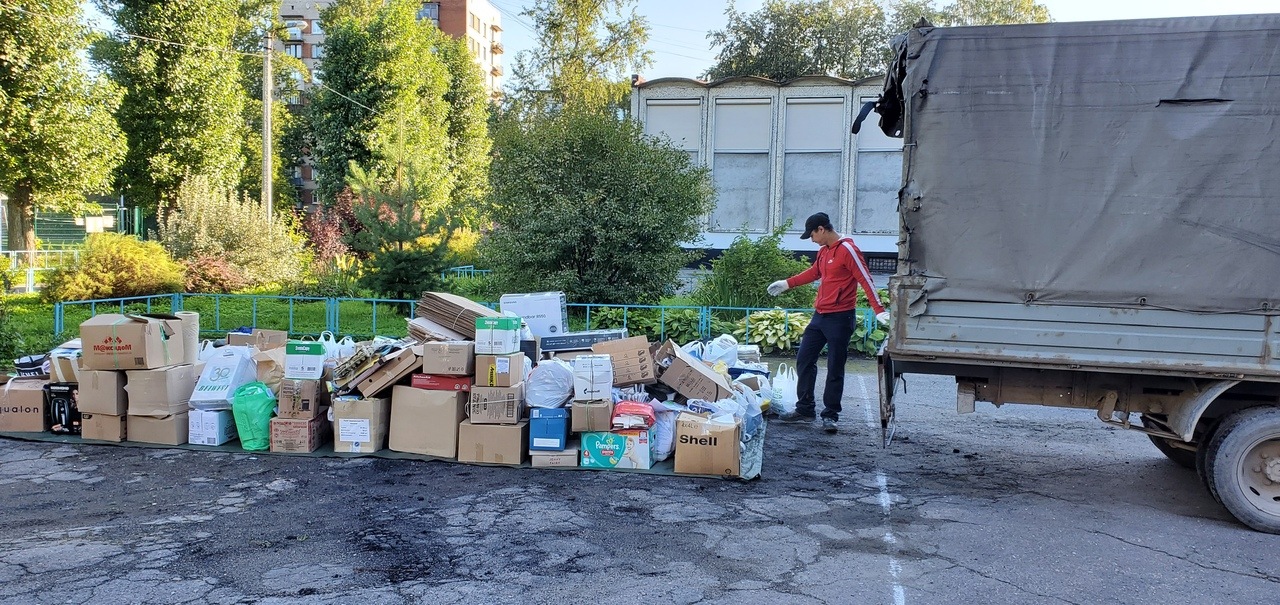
(842, 269)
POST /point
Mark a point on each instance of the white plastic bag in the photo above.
(721, 348)
(207, 350)
(694, 348)
(664, 432)
(346, 347)
(785, 383)
(550, 384)
(330, 345)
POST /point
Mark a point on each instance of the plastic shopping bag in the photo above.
(785, 383)
(721, 348)
(252, 406)
(550, 385)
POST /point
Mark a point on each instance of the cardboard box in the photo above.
(360, 425)
(64, 365)
(222, 375)
(262, 339)
(495, 411)
(532, 351)
(102, 392)
(63, 411)
(493, 443)
(546, 313)
(548, 429)
(301, 399)
(298, 435)
(707, 448)
(395, 367)
(632, 362)
(690, 377)
(160, 392)
(500, 370)
(208, 427)
(103, 427)
(566, 458)
(304, 360)
(22, 406)
(591, 416)
(449, 358)
(592, 378)
(482, 394)
(618, 449)
(497, 335)
(169, 430)
(131, 342)
(433, 382)
(426, 422)
(574, 341)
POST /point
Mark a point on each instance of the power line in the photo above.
(321, 84)
(137, 36)
(688, 29)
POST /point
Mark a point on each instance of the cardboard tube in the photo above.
(190, 335)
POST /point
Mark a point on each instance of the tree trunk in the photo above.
(22, 222)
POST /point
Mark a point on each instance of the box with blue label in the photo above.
(548, 429)
(618, 449)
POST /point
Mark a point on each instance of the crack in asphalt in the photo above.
(1187, 559)
(1013, 585)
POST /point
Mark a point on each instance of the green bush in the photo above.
(680, 325)
(773, 330)
(114, 265)
(213, 274)
(586, 204)
(869, 335)
(741, 275)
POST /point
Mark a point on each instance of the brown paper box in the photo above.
(264, 340)
(496, 405)
(170, 430)
(426, 422)
(500, 370)
(395, 367)
(360, 425)
(493, 443)
(103, 427)
(130, 342)
(591, 416)
(103, 392)
(545, 459)
(22, 406)
(160, 392)
(298, 435)
(449, 358)
(302, 399)
(690, 377)
(632, 362)
(707, 448)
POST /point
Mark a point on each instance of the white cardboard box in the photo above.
(222, 375)
(546, 313)
(210, 427)
(592, 377)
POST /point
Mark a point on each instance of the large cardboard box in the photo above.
(591, 416)
(304, 360)
(548, 429)
(426, 422)
(618, 449)
(102, 392)
(435, 382)
(493, 443)
(395, 367)
(546, 313)
(298, 435)
(566, 458)
(704, 447)
(449, 358)
(360, 425)
(592, 378)
(169, 430)
(160, 392)
(209, 427)
(301, 399)
(262, 339)
(632, 361)
(499, 370)
(131, 342)
(496, 405)
(222, 375)
(103, 427)
(497, 335)
(690, 377)
(23, 406)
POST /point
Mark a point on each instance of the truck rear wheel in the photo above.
(1243, 467)
(1180, 456)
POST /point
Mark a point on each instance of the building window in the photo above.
(430, 10)
(317, 51)
(293, 50)
(879, 176)
(813, 160)
(316, 28)
(741, 168)
(475, 22)
(679, 120)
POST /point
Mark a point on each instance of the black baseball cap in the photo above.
(813, 222)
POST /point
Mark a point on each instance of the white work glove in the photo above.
(884, 318)
(778, 287)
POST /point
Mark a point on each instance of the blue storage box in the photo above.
(548, 429)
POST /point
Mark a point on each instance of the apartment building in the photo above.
(476, 21)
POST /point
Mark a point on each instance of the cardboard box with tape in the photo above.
(360, 425)
(131, 342)
(632, 361)
(706, 447)
(493, 443)
(426, 422)
(449, 358)
(499, 370)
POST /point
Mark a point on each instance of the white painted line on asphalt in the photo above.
(886, 499)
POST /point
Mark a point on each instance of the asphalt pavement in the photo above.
(1011, 505)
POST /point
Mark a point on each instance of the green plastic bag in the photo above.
(252, 406)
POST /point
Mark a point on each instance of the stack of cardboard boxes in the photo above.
(496, 431)
(301, 423)
(426, 414)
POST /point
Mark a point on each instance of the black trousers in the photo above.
(832, 330)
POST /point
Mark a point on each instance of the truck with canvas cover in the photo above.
(1090, 218)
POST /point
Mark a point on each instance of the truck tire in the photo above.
(1182, 457)
(1243, 463)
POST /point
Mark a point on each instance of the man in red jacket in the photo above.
(842, 269)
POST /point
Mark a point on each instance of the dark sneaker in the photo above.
(794, 417)
(830, 426)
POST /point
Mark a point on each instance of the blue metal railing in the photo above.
(464, 271)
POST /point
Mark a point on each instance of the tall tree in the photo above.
(586, 51)
(58, 137)
(785, 39)
(384, 94)
(992, 12)
(183, 104)
(469, 141)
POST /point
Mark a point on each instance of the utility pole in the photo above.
(267, 82)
